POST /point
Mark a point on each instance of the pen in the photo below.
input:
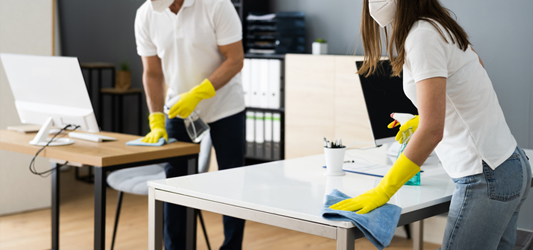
(333, 144)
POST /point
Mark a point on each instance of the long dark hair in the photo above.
(408, 12)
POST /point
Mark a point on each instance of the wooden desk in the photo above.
(105, 157)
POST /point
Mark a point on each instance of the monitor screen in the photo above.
(49, 87)
(384, 95)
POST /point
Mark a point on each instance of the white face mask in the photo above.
(160, 5)
(382, 11)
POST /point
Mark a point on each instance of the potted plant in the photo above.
(320, 47)
(123, 81)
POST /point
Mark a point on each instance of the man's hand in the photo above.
(157, 128)
(189, 100)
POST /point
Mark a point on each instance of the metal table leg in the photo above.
(418, 235)
(55, 206)
(90, 81)
(99, 207)
(155, 221)
(113, 113)
(345, 239)
(192, 168)
(120, 114)
(139, 110)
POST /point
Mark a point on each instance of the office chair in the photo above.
(134, 181)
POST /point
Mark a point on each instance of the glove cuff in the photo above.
(205, 90)
(156, 120)
(402, 170)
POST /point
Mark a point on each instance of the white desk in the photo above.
(290, 194)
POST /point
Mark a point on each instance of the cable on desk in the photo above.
(46, 173)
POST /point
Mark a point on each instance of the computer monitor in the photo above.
(384, 95)
(49, 90)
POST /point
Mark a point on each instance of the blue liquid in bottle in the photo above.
(415, 181)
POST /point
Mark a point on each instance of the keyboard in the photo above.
(91, 137)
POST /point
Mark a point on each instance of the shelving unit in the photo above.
(243, 7)
(281, 111)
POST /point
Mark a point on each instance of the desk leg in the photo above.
(100, 110)
(55, 206)
(345, 239)
(155, 221)
(192, 168)
(99, 207)
(113, 114)
(418, 235)
(90, 81)
(139, 110)
(121, 114)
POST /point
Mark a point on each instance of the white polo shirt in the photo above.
(475, 129)
(187, 45)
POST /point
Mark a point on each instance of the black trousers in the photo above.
(228, 137)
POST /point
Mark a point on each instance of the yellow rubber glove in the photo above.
(189, 100)
(157, 128)
(402, 170)
(406, 129)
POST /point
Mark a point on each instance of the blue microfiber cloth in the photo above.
(159, 143)
(378, 225)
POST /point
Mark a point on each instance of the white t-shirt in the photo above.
(475, 129)
(187, 45)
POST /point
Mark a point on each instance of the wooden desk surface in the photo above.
(100, 154)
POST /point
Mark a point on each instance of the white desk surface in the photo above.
(296, 188)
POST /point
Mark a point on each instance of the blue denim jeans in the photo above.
(228, 137)
(484, 208)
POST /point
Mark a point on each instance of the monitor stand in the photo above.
(41, 139)
(394, 149)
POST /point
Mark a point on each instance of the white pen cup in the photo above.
(334, 161)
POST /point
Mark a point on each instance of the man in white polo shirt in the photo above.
(195, 47)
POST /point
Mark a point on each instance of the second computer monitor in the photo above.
(384, 95)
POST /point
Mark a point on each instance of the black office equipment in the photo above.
(279, 33)
(384, 95)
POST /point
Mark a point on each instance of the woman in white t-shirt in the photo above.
(459, 117)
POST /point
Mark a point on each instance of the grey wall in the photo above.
(336, 21)
(102, 31)
(501, 32)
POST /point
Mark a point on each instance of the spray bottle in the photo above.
(195, 126)
(402, 118)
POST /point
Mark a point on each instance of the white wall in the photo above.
(25, 28)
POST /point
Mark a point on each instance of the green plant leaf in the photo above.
(125, 66)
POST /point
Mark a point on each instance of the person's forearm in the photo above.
(431, 96)
(155, 91)
(227, 70)
(422, 143)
